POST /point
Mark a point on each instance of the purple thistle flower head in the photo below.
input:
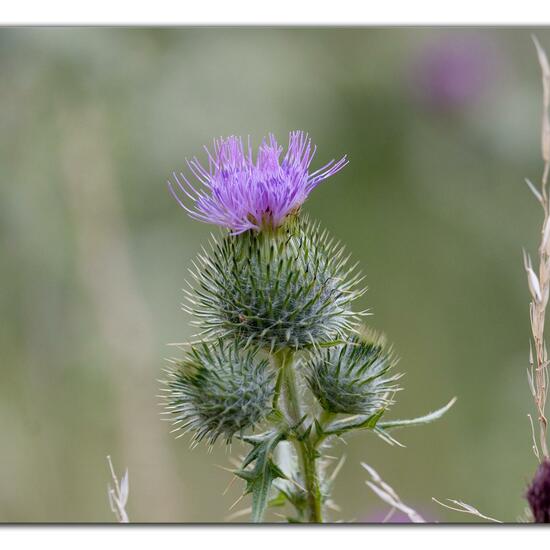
(241, 193)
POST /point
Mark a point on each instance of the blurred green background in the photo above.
(440, 125)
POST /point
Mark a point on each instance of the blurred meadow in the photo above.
(441, 127)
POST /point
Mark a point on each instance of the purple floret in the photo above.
(241, 193)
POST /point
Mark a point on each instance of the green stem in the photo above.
(306, 447)
(278, 383)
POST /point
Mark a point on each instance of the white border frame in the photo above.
(282, 12)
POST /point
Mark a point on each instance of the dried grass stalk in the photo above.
(386, 493)
(539, 283)
(118, 494)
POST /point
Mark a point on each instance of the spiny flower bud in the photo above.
(538, 494)
(286, 288)
(219, 390)
(350, 378)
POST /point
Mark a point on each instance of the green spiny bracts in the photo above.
(352, 378)
(219, 390)
(290, 287)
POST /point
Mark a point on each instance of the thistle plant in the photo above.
(282, 354)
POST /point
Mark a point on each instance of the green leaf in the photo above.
(260, 477)
(426, 419)
(293, 520)
(260, 487)
(279, 500)
(354, 423)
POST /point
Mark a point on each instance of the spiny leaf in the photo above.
(261, 476)
(354, 423)
(426, 419)
(260, 490)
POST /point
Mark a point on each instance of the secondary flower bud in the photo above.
(351, 378)
(219, 390)
(285, 288)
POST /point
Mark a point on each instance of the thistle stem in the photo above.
(305, 447)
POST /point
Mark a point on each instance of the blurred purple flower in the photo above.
(453, 73)
(241, 194)
(538, 494)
